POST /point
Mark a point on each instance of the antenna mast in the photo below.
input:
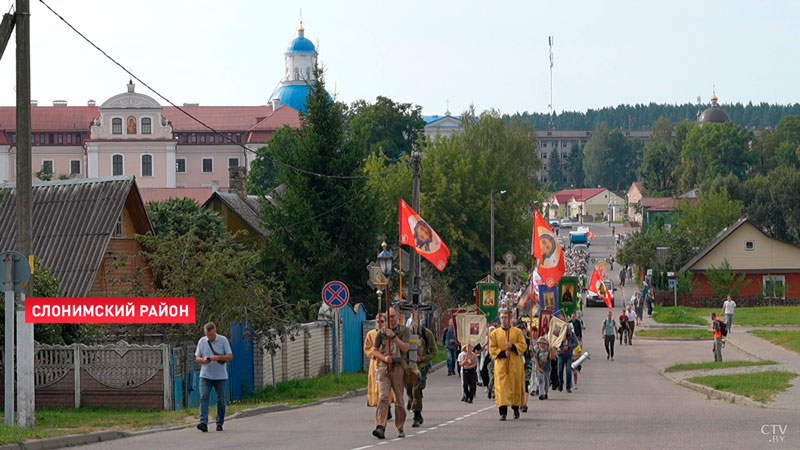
(550, 106)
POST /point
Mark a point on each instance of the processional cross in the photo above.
(509, 269)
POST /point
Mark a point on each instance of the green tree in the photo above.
(262, 177)
(609, 160)
(554, 169)
(724, 281)
(323, 227)
(179, 215)
(575, 165)
(385, 127)
(700, 222)
(715, 149)
(660, 160)
(772, 202)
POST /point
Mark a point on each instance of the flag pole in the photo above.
(400, 256)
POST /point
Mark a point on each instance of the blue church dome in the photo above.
(301, 45)
(293, 95)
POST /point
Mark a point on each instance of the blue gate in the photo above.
(353, 346)
(241, 373)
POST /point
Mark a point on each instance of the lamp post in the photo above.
(491, 232)
(385, 262)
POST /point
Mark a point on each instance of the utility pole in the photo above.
(25, 388)
(415, 259)
(491, 232)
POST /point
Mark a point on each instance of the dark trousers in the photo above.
(623, 333)
(609, 341)
(470, 382)
(565, 365)
(504, 409)
(554, 381)
(452, 356)
(631, 326)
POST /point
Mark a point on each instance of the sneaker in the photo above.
(379, 432)
(502, 417)
(401, 433)
(569, 391)
(202, 427)
(541, 397)
(219, 427)
(469, 400)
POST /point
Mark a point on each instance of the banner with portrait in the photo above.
(548, 299)
(488, 300)
(471, 328)
(557, 332)
(544, 323)
(569, 296)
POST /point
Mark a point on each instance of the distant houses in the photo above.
(597, 203)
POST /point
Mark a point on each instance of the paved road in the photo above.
(621, 404)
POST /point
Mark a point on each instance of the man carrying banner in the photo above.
(507, 345)
(426, 350)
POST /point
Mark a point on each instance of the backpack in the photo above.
(723, 327)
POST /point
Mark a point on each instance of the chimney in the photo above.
(276, 102)
(236, 182)
(131, 86)
(91, 103)
(59, 103)
(34, 103)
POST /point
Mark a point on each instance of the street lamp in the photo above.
(385, 261)
(491, 231)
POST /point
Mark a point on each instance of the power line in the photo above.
(277, 163)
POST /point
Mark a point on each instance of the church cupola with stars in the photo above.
(300, 59)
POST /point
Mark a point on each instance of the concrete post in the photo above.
(25, 384)
(76, 357)
(8, 364)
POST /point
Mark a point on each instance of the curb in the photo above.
(653, 338)
(110, 435)
(722, 395)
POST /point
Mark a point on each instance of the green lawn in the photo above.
(715, 365)
(441, 355)
(691, 333)
(759, 316)
(51, 422)
(790, 340)
(760, 386)
(678, 314)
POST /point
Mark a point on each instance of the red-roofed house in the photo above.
(132, 134)
(634, 196)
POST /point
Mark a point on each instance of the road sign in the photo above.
(335, 294)
(21, 269)
(672, 284)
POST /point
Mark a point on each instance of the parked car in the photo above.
(592, 299)
(565, 223)
(554, 223)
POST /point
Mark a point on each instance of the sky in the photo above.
(493, 55)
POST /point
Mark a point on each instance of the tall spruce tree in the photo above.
(322, 226)
(554, 169)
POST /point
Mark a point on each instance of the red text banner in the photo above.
(109, 310)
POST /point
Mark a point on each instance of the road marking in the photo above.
(418, 432)
(396, 439)
(366, 446)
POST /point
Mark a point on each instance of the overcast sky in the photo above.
(490, 54)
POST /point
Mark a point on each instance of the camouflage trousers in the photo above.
(414, 389)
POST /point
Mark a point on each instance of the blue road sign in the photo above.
(335, 294)
(671, 284)
(20, 270)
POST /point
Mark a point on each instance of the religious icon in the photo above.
(131, 125)
(551, 251)
(474, 329)
(549, 300)
(567, 297)
(488, 297)
(425, 239)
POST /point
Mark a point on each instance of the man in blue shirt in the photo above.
(451, 345)
(213, 352)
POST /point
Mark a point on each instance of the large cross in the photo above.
(509, 269)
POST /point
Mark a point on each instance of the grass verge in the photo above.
(684, 333)
(759, 386)
(759, 316)
(790, 340)
(715, 365)
(52, 422)
(678, 314)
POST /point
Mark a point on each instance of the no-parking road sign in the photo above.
(335, 294)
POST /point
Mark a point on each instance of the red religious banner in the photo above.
(547, 251)
(109, 310)
(544, 322)
(598, 288)
(416, 232)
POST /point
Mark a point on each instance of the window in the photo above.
(47, 166)
(202, 138)
(230, 137)
(296, 73)
(60, 138)
(194, 138)
(774, 286)
(211, 139)
(147, 165)
(41, 139)
(185, 138)
(75, 166)
(51, 138)
(147, 126)
(116, 126)
(77, 138)
(233, 162)
(208, 165)
(308, 73)
(180, 165)
(69, 139)
(544, 144)
(564, 144)
(544, 155)
(13, 138)
(116, 164)
(238, 138)
(118, 227)
(749, 246)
